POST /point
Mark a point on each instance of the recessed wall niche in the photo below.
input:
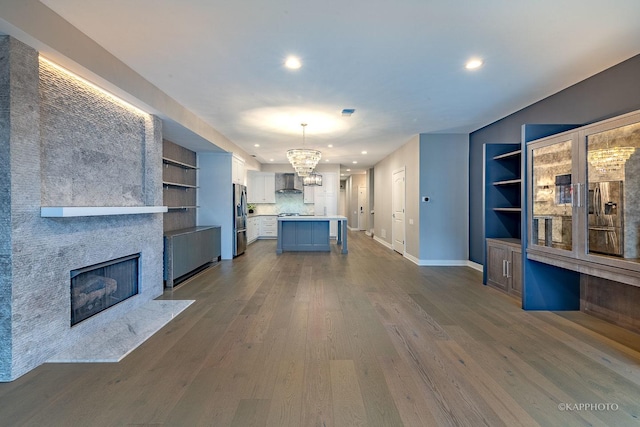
(179, 186)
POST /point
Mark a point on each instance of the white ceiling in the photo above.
(400, 63)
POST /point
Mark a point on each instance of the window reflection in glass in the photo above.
(613, 176)
(551, 190)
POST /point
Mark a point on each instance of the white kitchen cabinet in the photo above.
(237, 170)
(308, 191)
(253, 228)
(325, 198)
(268, 226)
(261, 187)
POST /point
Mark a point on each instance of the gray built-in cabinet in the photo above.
(583, 204)
(504, 265)
(187, 248)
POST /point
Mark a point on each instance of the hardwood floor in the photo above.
(324, 339)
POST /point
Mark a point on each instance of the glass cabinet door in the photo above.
(613, 197)
(551, 194)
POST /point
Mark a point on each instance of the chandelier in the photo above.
(313, 179)
(303, 160)
(610, 159)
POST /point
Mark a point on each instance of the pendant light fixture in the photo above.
(313, 179)
(303, 160)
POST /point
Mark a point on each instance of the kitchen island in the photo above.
(309, 233)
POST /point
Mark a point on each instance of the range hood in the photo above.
(288, 184)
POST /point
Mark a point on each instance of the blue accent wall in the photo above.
(610, 93)
(443, 178)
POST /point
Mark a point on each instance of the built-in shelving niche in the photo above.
(502, 193)
(179, 186)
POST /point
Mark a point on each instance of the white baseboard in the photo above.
(434, 263)
(382, 242)
(475, 266)
(437, 262)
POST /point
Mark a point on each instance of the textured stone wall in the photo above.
(21, 77)
(100, 137)
(5, 209)
(65, 153)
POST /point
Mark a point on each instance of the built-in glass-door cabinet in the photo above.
(584, 199)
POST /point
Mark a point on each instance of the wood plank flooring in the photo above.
(364, 339)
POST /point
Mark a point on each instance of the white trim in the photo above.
(442, 262)
(73, 211)
(412, 258)
(433, 263)
(382, 242)
(475, 266)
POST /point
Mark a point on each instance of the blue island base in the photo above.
(304, 236)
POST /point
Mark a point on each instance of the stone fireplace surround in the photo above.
(62, 143)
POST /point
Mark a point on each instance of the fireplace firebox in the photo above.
(97, 287)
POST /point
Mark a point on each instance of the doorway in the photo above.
(363, 204)
(398, 205)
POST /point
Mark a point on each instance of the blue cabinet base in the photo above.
(304, 236)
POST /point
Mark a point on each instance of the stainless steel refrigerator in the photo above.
(605, 218)
(240, 219)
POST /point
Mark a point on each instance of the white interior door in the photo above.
(397, 197)
(362, 208)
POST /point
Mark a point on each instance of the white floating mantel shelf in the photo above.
(71, 211)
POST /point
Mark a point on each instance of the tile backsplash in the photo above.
(286, 203)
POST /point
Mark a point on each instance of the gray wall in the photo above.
(62, 138)
(607, 94)
(436, 165)
(444, 233)
(407, 156)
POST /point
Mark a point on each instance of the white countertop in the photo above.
(313, 218)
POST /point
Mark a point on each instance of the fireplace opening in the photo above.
(97, 287)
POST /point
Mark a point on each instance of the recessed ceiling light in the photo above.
(271, 160)
(341, 174)
(354, 162)
(293, 63)
(256, 145)
(326, 160)
(348, 170)
(364, 152)
(473, 64)
(330, 145)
